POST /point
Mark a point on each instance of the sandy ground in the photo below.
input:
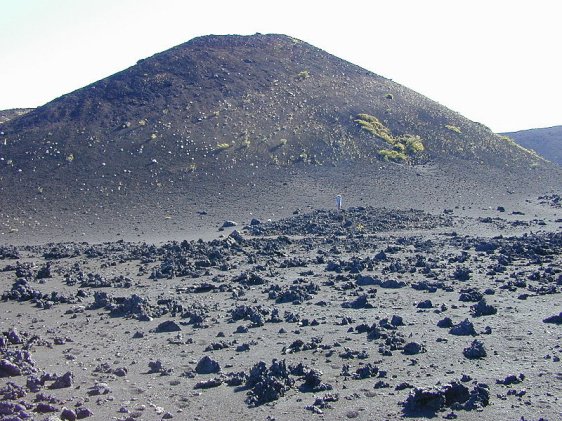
(312, 315)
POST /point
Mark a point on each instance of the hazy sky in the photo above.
(497, 62)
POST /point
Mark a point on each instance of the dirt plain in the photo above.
(437, 301)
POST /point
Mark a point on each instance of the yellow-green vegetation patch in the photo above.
(392, 155)
(372, 124)
(222, 146)
(413, 144)
(303, 75)
(402, 146)
(455, 129)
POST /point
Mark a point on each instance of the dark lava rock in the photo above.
(445, 323)
(413, 348)
(556, 319)
(425, 304)
(158, 367)
(482, 309)
(313, 382)
(295, 294)
(228, 224)
(365, 372)
(476, 350)
(208, 384)
(424, 401)
(168, 326)
(428, 401)
(68, 415)
(462, 273)
(486, 247)
(83, 412)
(359, 302)
(97, 390)
(268, 384)
(397, 321)
(43, 408)
(207, 365)
(470, 295)
(464, 328)
(511, 379)
(9, 369)
(63, 381)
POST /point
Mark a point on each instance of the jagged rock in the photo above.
(313, 382)
(360, 302)
(476, 350)
(464, 328)
(63, 381)
(413, 348)
(268, 384)
(483, 309)
(68, 415)
(445, 323)
(208, 384)
(207, 365)
(168, 326)
(556, 319)
(9, 369)
(425, 304)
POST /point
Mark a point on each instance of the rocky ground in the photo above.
(370, 313)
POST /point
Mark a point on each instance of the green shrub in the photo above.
(391, 155)
(453, 128)
(413, 144)
(375, 127)
(402, 146)
(303, 75)
(222, 146)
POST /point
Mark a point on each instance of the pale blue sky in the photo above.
(497, 62)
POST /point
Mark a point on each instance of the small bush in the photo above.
(303, 75)
(453, 128)
(223, 146)
(389, 96)
(375, 127)
(413, 144)
(390, 155)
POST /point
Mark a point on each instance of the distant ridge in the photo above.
(547, 141)
(7, 115)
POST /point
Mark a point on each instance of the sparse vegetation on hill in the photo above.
(273, 101)
(404, 146)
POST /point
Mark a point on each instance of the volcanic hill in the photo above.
(546, 142)
(229, 114)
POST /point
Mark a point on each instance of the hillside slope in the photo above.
(217, 101)
(242, 122)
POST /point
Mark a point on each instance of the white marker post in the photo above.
(338, 202)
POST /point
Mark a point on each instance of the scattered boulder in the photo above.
(556, 319)
(476, 350)
(207, 365)
(464, 328)
(483, 309)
